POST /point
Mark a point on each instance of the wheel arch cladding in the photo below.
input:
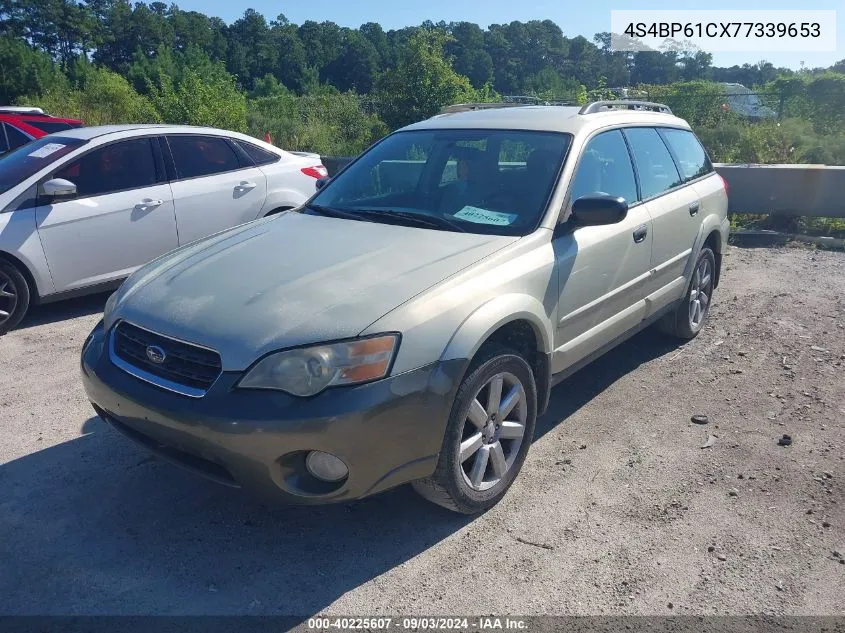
(516, 321)
(714, 241)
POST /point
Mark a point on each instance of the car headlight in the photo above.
(309, 370)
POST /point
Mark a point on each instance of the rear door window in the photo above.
(655, 166)
(197, 156)
(690, 155)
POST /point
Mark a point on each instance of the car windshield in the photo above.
(478, 181)
(23, 162)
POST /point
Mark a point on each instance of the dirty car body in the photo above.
(407, 323)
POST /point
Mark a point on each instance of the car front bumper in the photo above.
(388, 432)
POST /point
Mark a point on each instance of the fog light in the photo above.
(325, 466)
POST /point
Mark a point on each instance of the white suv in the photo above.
(81, 209)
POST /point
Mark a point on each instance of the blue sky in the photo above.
(575, 18)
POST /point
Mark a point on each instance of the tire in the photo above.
(14, 296)
(478, 483)
(689, 317)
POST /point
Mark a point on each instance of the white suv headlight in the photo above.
(309, 370)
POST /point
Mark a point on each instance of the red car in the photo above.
(19, 125)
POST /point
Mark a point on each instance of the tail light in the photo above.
(315, 171)
(724, 184)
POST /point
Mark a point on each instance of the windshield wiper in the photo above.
(335, 213)
(432, 221)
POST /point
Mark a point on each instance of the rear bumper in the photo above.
(388, 432)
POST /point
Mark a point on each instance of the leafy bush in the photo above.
(100, 97)
(201, 96)
(330, 124)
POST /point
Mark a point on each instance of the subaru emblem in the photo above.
(156, 354)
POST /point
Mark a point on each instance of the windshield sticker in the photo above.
(483, 216)
(45, 150)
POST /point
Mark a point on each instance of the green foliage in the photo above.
(100, 97)
(201, 96)
(331, 124)
(320, 86)
(422, 83)
(24, 70)
(787, 141)
(698, 102)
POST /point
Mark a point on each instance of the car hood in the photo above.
(290, 280)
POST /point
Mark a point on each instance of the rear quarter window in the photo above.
(257, 154)
(689, 154)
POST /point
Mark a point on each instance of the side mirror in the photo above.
(599, 209)
(58, 188)
(322, 182)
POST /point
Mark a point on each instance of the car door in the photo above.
(602, 270)
(674, 209)
(216, 185)
(120, 218)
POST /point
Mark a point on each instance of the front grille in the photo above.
(184, 364)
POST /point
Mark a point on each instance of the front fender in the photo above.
(492, 315)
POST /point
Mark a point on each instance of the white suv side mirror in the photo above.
(58, 188)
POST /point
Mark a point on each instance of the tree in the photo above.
(467, 51)
(24, 70)
(422, 83)
(203, 95)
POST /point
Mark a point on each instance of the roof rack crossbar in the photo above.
(600, 106)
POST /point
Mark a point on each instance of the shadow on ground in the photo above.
(64, 310)
(95, 526)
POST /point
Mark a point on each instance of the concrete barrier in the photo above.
(796, 190)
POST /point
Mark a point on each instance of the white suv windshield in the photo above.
(479, 181)
(23, 162)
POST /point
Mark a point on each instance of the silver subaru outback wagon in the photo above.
(408, 322)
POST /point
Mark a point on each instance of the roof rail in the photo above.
(601, 106)
(465, 107)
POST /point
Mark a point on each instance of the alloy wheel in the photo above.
(493, 431)
(8, 297)
(700, 293)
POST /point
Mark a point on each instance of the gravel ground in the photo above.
(618, 508)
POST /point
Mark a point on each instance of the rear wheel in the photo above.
(688, 318)
(14, 296)
(488, 434)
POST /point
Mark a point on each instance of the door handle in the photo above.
(148, 203)
(640, 232)
(694, 207)
(245, 186)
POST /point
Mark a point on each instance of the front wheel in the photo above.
(688, 318)
(14, 296)
(488, 434)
